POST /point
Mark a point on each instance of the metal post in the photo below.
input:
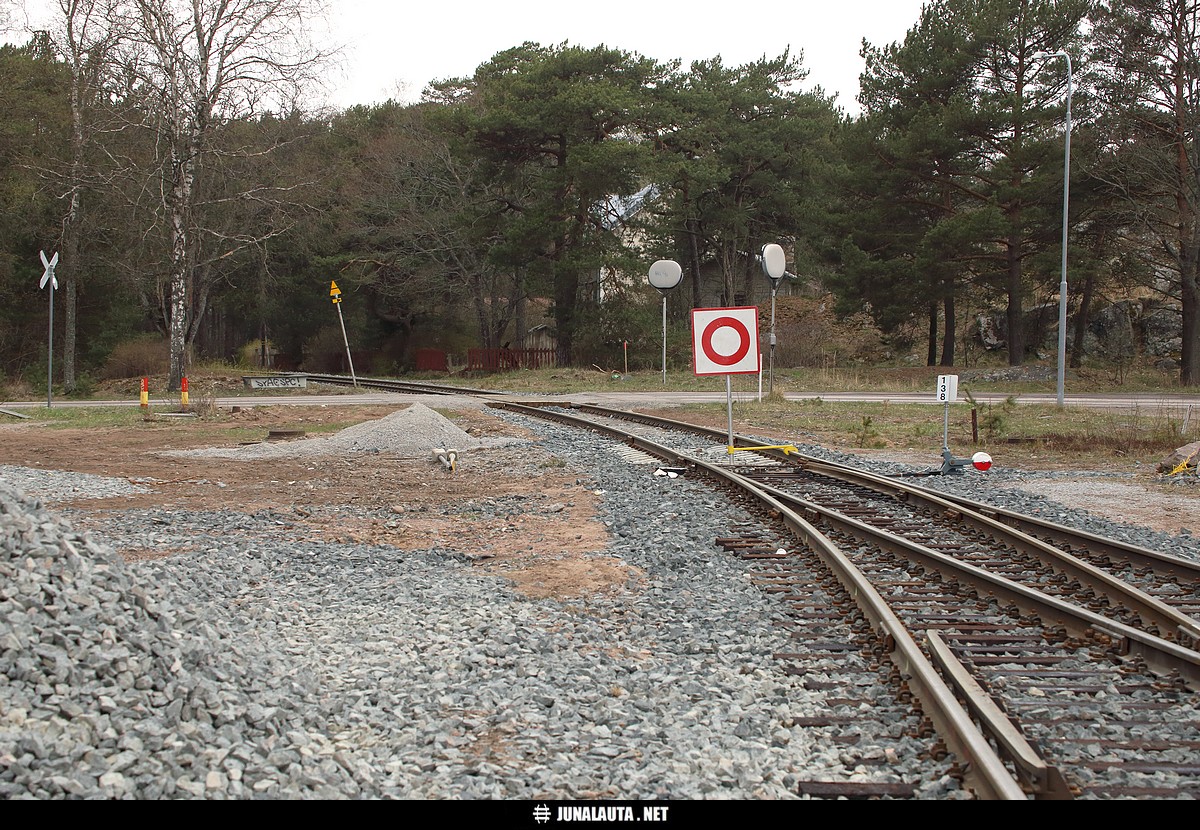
(665, 275)
(48, 278)
(771, 371)
(1062, 285)
(774, 265)
(347, 342)
(50, 362)
(664, 350)
(729, 407)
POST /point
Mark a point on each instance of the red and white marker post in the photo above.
(947, 393)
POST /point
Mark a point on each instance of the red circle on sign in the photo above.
(720, 323)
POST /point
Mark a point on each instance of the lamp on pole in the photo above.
(1062, 286)
(665, 275)
(774, 264)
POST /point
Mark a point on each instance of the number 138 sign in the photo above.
(947, 388)
(725, 340)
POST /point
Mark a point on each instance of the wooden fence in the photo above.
(504, 360)
(431, 360)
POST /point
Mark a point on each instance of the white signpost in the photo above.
(947, 389)
(48, 277)
(725, 342)
(947, 393)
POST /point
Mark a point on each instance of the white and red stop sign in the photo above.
(725, 340)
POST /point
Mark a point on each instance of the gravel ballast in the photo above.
(262, 665)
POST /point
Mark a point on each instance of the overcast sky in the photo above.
(393, 48)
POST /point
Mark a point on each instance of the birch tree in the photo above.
(203, 64)
(90, 32)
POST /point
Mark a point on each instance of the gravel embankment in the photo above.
(261, 665)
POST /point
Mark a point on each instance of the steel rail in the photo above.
(1042, 778)
(1134, 554)
(1112, 548)
(1161, 655)
(1154, 612)
(987, 774)
(388, 384)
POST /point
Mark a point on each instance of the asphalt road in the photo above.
(1140, 403)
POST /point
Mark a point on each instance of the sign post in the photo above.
(335, 294)
(48, 277)
(947, 393)
(725, 342)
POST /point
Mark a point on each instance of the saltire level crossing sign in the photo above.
(725, 341)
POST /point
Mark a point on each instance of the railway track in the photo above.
(1031, 660)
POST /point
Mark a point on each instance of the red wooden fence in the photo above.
(503, 360)
(431, 360)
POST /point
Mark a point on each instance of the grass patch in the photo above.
(1033, 377)
(1027, 435)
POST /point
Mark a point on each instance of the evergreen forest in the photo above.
(201, 210)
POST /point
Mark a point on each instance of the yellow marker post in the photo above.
(183, 395)
(335, 294)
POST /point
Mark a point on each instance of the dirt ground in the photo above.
(550, 545)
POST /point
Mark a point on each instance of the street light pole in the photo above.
(665, 275)
(1062, 286)
(774, 264)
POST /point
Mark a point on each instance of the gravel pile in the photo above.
(406, 433)
(260, 665)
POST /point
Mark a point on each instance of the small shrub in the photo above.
(866, 433)
(137, 358)
(16, 389)
(993, 420)
(204, 406)
(250, 356)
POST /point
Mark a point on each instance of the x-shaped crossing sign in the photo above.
(48, 276)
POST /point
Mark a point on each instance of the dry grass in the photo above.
(1030, 436)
